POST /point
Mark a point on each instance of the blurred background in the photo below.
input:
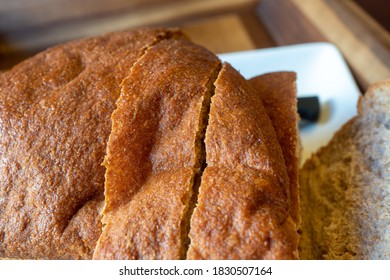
(359, 28)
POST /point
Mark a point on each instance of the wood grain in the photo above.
(287, 24)
(377, 9)
(362, 24)
(36, 27)
(365, 52)
(366, 63)
(30, 28)
(228, 34)
(22, 15)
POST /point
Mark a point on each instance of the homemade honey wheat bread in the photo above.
(345, 187)
(55, 113)
(102, 154)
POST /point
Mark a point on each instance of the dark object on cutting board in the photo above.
(309, 108)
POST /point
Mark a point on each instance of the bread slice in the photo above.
(345, 187)
(279, 95)
(243, 204)
(54, 127)
(154, 152)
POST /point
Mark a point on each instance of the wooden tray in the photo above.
(27, 27)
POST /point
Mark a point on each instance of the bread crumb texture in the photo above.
(345, 187)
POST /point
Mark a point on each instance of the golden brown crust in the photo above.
(243, 203)
(54, 126)
(236, 219)
(148, 226)
(152, 152)
(278, 93)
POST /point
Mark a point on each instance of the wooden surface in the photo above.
(363, 42)
(375, 9)
(219, 39)
(369, 59)
(29, 26)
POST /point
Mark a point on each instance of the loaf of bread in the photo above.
(345, 187)
(143, 145)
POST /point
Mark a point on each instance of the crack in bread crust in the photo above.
(201, 164)
(152, 152)
(243, 204)
(52, 180)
